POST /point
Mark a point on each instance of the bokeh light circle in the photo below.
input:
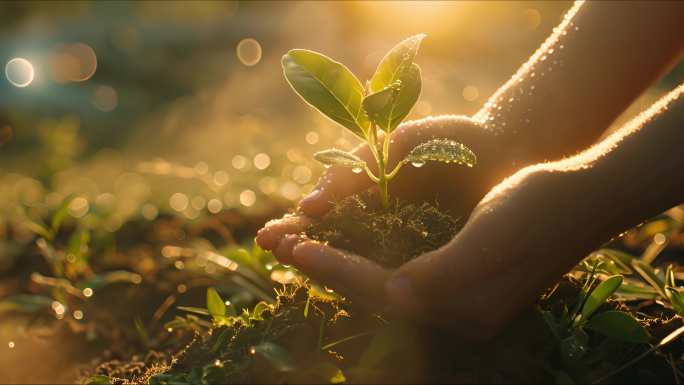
(73, 63)
(19, 72)
(105, 98)
(249, 52)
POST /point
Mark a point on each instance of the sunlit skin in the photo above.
(535, 225)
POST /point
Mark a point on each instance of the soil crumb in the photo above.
(389, 236)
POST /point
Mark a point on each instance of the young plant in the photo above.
(383, 104)
(570, 328)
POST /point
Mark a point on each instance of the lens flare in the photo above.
(19, 72)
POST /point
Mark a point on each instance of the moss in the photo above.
(388, 236)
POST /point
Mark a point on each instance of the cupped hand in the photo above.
(505, 256)
(432, 182)
(455, 188)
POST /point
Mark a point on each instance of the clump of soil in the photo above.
(389, 236)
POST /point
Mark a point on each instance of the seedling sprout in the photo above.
(382, 105)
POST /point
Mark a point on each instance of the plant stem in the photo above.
(382, 164)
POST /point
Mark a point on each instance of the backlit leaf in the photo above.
(649, 275)
(442, 150)
(389, 106)
(215, 304)
(335, 157)
(676, 299)
(395, 62)
(328, 86)
(599, 295)
(60, 214)
(619, 325)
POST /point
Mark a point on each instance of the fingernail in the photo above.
(313, 196)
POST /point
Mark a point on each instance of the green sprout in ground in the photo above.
(383, 104)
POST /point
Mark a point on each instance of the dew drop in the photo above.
(357, 170)
(418, 163)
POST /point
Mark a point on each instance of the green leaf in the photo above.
(670, 277)
(259, 310)
(649, 275)
(61, 213)
(441, 150)
(278, 356)
(599, 295)
(623, 258)
(335, 157)
(338, 378)
(215, 304)
(376, 103)
(676, 299)
(395, 62)
(632, 291)
(327, 86)
(78, 243)
(389, 106)
(37, 228)
(618, 261)
(619, 325)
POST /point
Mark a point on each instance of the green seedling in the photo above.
(570, 328)
(380, 107)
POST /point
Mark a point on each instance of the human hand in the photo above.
(433, 182)
(506, 255)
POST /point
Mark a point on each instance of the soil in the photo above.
(310, 336)
(389, 236)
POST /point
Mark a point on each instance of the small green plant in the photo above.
(383, 104)
(570, 328)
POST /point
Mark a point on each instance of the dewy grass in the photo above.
(308, 336)
(383, 104)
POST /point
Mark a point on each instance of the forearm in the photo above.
(637, 171)
(598, 60)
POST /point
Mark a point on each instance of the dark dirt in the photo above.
(390, 236)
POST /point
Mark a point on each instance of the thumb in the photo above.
(411, 287)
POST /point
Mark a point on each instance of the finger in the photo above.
(345, 272)
(284, 250)
(417, 280)
(336, 183)
(270, 235)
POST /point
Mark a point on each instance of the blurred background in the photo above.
(136, 111)
(181, 107)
